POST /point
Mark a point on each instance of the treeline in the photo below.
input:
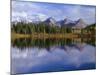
(29, 28)
(90, 29)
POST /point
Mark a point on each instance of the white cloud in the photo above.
(26, 11)
(40, 11)
(18, 16)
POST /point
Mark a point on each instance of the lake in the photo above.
(49, 55)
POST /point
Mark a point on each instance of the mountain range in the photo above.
(66, 23)
(62, 23)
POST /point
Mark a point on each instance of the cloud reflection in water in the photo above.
(79, 56)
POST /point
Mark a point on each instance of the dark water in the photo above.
(47, 55)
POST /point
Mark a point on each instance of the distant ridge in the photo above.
(80, 24)
(50, 21)
(62, 23)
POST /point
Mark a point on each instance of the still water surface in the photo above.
(46, 55)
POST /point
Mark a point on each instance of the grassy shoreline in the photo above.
(51, 36)
(44, 35)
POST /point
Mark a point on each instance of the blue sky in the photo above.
(34, 11)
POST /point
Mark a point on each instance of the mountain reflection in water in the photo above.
(46, 55)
